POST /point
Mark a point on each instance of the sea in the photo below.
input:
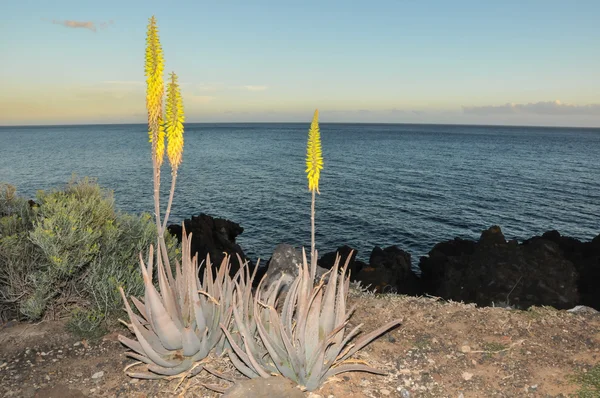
(382, 184)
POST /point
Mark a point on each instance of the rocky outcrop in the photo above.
(493, 271)
(213, 236)
(354, 265)
(585, 256)
(390, 271)
(284, 263)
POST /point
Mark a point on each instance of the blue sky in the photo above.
(484, 62)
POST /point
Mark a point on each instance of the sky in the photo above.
(523, 62)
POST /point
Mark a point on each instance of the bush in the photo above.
(70, 253)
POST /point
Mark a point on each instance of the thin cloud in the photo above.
(534, 108)
(82, 24)
(255, 88)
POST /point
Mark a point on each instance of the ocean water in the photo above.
(382, 184)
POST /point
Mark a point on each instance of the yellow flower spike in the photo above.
(174, 123)
(154, 68)
(314, 155)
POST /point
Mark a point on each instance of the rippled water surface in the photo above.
(409, 185)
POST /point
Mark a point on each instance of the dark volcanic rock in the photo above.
(285, 261)
(389, 270)
(586, 258)
(212, 236)
(496, 272)
(328, 260)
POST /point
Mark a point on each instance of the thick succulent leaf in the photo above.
(139, 357)
(366, 339)
(144, 336)
(185, 365)
(140, 307)
(162, 324)
(191, 342)
(350, 368)
(327, 319)
(132, 344)
(294, 359)
(275, 348)
(311, 330)
(244, 356)
(145, 375)
(241, 366)
(169, 299)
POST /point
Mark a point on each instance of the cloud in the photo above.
(534, 108)
(255, 88)
(82, 24)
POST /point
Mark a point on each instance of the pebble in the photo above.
(467, 376)
(77, 344)
(98, 375)
(383, 391)
(404, 393)
(465, 349)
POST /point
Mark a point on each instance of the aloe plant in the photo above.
(179, 325)
(306, 341)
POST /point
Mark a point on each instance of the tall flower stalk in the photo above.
(174, 120)
(314, 165)
(157, 123)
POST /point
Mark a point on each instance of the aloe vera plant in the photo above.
(178, 326)
(306, 341)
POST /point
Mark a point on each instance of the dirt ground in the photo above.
(442, 349)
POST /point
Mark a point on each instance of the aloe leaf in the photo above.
(191, 342)
(132, 344)
(327, 319)
(351, 368)
(312, 324)
(141, 358)
(140, 307)
(276, 351)
(241, 366)
(366, 339)
(141, 336)
(146, 376)
(169, 297)
(171, 371)
(162, 324)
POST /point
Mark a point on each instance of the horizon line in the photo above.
(304, 122)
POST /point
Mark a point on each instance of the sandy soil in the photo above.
(441, 350)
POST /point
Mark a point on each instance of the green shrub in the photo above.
(589, 382)
(70, 253)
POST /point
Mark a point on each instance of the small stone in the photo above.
(465, 349)
(461, 395)
(467, 376)
(404, 393)
(77, 344)
(98, 375)
(383, 391)
(133, 381)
